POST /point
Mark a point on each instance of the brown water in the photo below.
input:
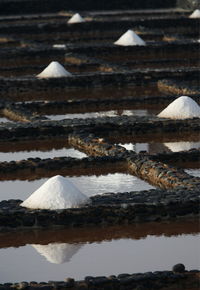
(76, 253)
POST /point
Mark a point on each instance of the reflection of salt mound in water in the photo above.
(76, 18)
(182, 108)
(56, 193)
(182, 146)
(130, 38)
(54, 70)
(195, 14)
(58, 253)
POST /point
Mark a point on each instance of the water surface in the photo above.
(56, 261)
(89, 185)
(64, 152)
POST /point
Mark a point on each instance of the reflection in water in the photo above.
(58, 253)
(10, 156)
(89, 185)
(104, 258)
(181, 146)
(112, 113)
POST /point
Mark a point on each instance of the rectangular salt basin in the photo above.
(57, 261)
(156, 147)
(19, 155)
(112, 113)
(89, 185)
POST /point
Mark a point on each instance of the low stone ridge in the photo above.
(106, 209)
(128, 125)
(154, 280)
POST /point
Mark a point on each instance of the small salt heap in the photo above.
(76, 18)
(58, 253)
(195, 14)
(130, 38)
(56, 193)
(54, 70)
(182, 108)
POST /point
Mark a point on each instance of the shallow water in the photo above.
(193, 172)
(89, 185)
(64, 152)
(77, 260)
(112, 113)
(4, 120)
(158, 147)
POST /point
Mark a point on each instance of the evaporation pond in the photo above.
(19, 155)
(112, 113)
(157, 147)
(57, 261)
(89, 185)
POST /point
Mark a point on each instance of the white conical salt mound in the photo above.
(182, 146)
(58, 253)
(54, 70)
(182, 108)
(130, 38)
(195, 14)
(76, 18)
(56, 193)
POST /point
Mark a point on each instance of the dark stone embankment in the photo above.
(179, 278)
(107, 209)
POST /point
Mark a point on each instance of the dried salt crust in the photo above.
(182, 108)
(195, 14)
(54, 70)
(56, 193)
(130, 38)
(58, 253)
(76, 18)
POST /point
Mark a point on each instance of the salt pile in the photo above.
(182, 146)
(130, 38)
(56, 193)
(57, 253)
(182, 108)
(59, 46)
(76, 18)
(195, 14)
(54, 70)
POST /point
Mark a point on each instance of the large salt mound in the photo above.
(58, 253)
(76, 18)
(182, 108)
(54, 70)
(56, 193)
(182, 146)
(130, 38)
(195, 14)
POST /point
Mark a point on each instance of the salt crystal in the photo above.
(54, 70)
(195, 14)
(182, 108)
(59, 46)
(130, 38)
(57, 253)
(182, 146)
(56, 193)
(76, 18)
